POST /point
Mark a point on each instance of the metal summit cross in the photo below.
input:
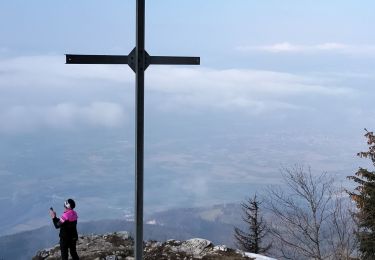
(138, 60)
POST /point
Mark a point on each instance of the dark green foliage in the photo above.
(251, 241)
(364, 197)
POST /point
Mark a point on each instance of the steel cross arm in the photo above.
(170, 60)
(96, 59)
(130, 59)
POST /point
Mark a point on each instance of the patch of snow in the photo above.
(259, 257)
(151, 222)
(222, 248)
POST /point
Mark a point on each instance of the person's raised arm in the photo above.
(56, 221)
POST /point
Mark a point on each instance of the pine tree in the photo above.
(364, 197)
(251, 241)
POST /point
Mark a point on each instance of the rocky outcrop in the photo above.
(119, 245)
(116, 245)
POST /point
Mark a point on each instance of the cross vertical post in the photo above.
(139, 72)
(138, 60)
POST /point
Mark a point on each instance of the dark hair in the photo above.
(71, 203)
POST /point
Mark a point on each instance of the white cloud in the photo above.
(52, 72)
(329, 47)
(66, 116)
(256, 91)
(167, 87)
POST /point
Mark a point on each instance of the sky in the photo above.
(280, 83)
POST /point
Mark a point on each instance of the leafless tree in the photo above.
(342, 227)
(310, 219)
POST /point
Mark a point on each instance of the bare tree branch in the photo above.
(309, 222)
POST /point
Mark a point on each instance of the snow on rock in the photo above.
(151, 222)
(222, 248)
(259, 257)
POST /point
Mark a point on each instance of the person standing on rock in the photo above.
(67, 224)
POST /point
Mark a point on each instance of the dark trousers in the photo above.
(68, 244)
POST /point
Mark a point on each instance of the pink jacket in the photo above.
(69, 215)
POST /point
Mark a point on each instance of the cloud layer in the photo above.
(238, 87)
(328, 47)
(61, 116)
(25, 81)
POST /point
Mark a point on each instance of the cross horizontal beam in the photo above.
(171, 60)
(96, 59)
(124, 59)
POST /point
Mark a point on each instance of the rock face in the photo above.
(119, 245)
